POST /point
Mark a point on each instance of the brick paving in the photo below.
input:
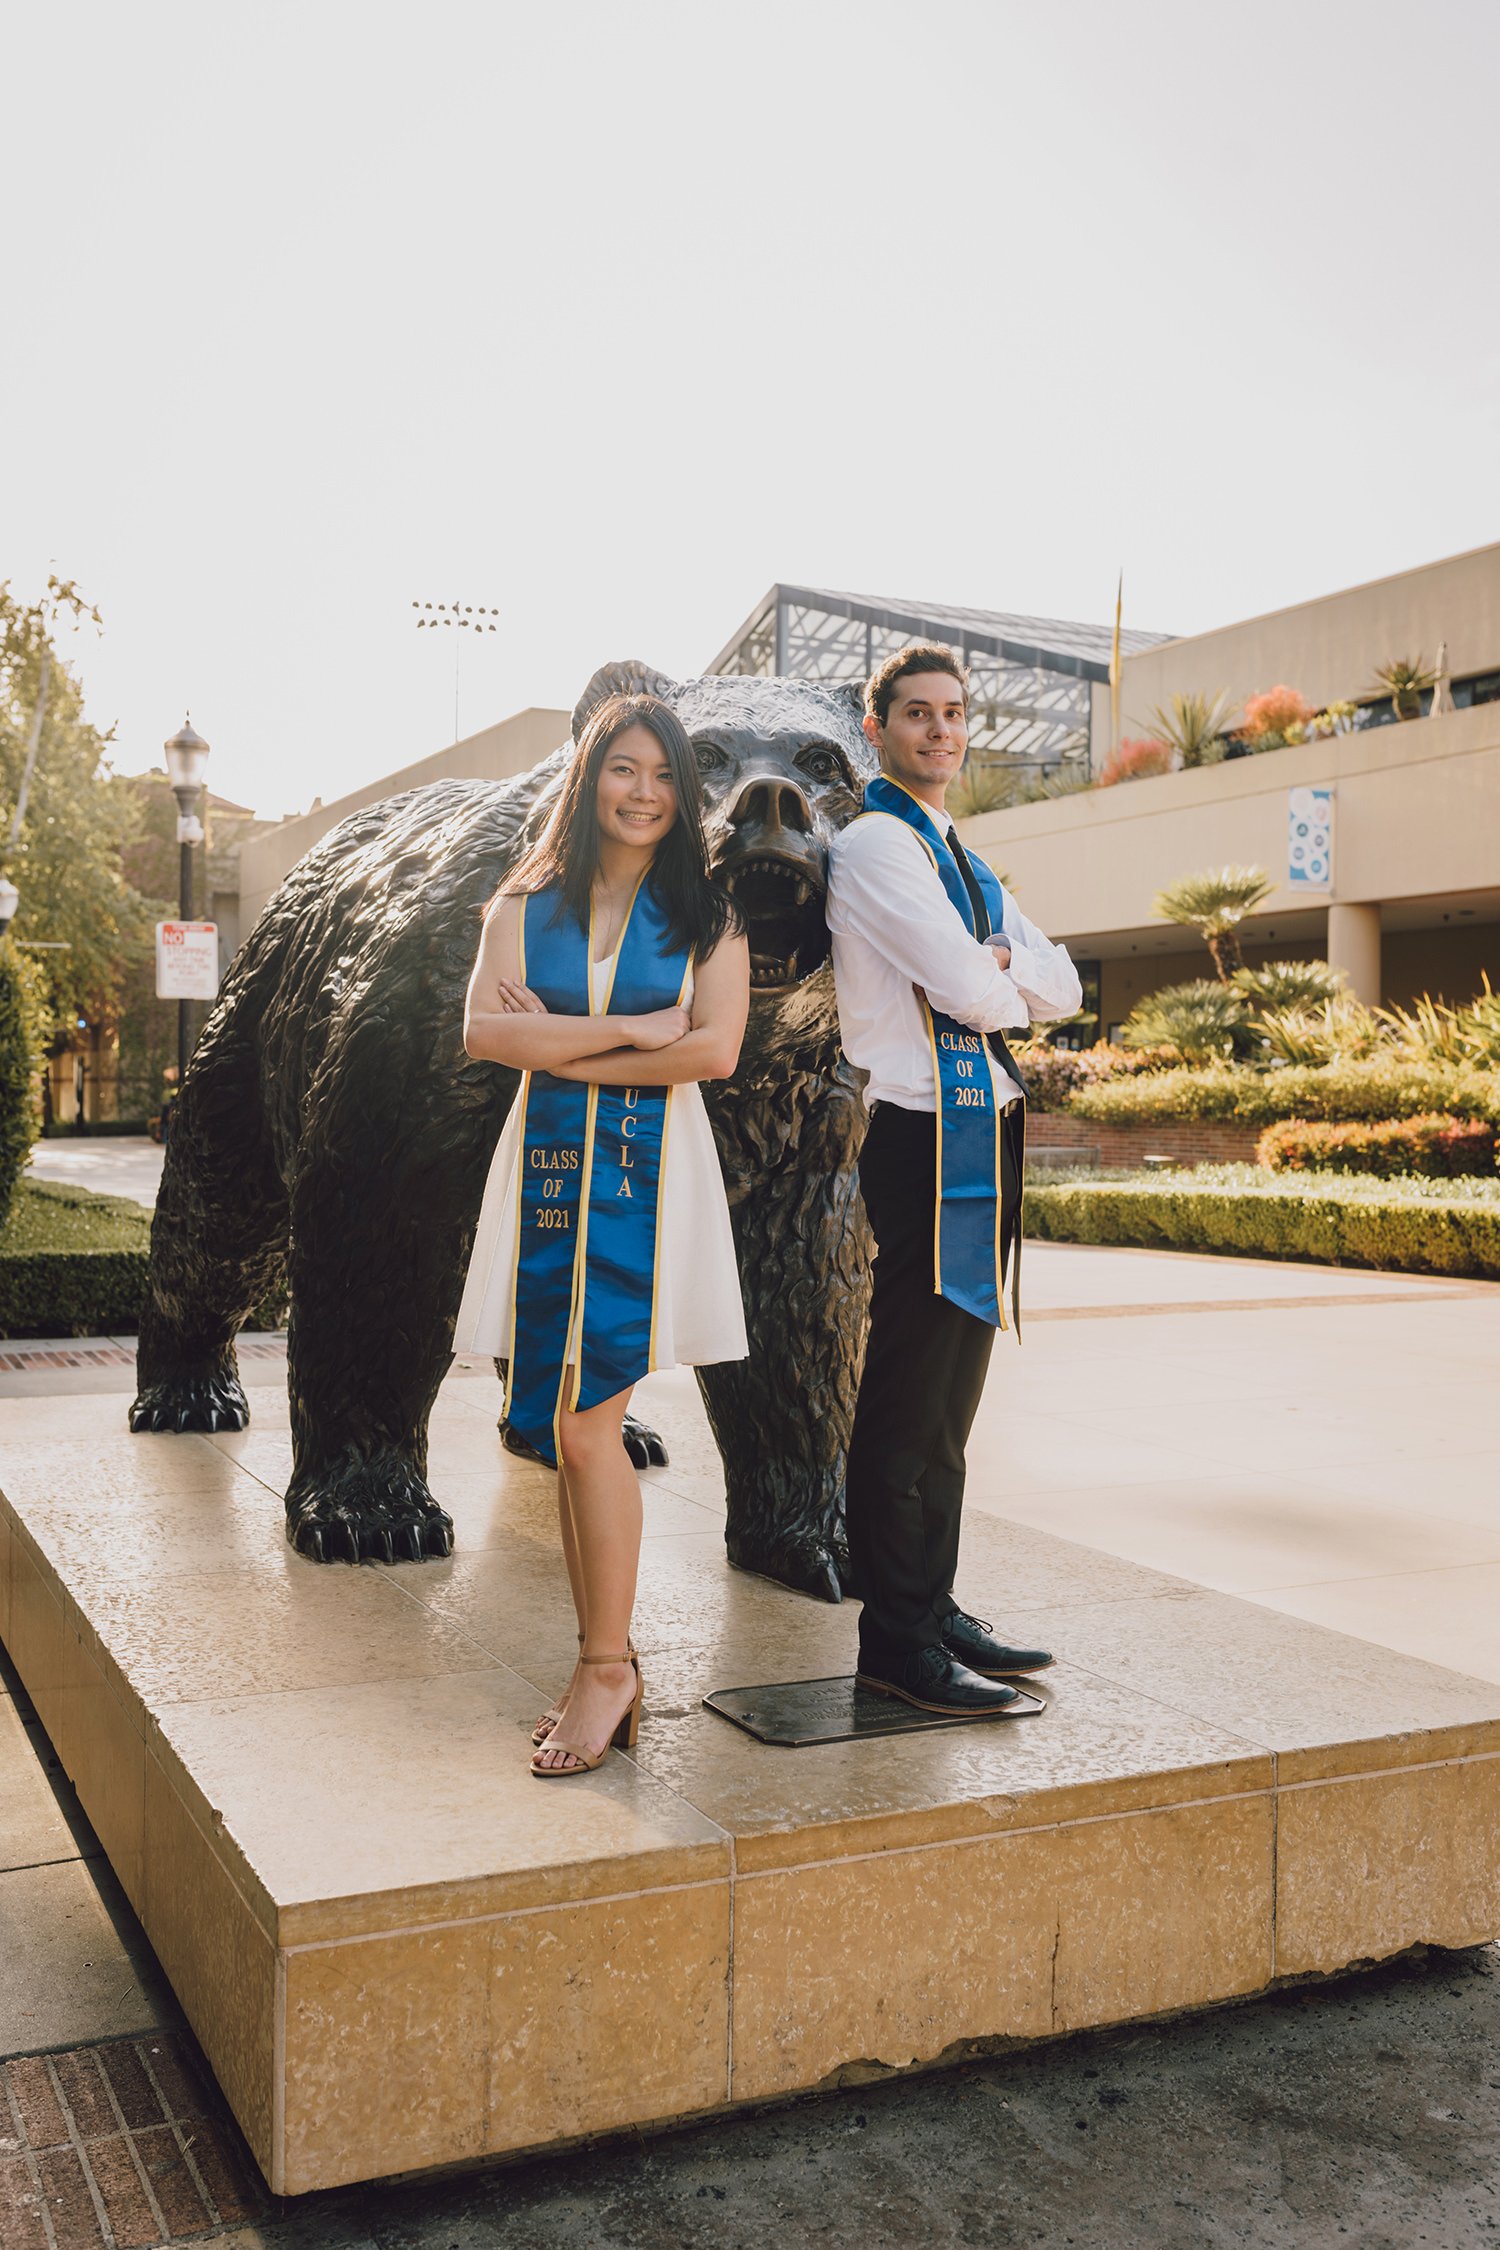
(119, 2147)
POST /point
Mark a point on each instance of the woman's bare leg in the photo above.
(603, 1512)
(575, 1582)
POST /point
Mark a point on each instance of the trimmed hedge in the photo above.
(21, 1058)
(1406, 1226)
(1434, 1148)
(73, 1263)
(1338, 1092)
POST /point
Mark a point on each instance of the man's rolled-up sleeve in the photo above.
(1043, 973)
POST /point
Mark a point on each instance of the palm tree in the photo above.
(1214, 905)
(1200, 1020)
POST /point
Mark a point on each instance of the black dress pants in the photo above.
(925, 1364)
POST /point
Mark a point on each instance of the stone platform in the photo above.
(399, 1951)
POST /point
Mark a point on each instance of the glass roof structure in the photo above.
(1032, 677)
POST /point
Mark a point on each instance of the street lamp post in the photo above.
(187, 755)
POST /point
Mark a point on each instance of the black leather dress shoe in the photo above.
(934, 1680)
(972, 1641)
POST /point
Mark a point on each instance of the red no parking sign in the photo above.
(187, 961)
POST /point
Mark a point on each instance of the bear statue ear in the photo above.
(626, 676)
(855, 691)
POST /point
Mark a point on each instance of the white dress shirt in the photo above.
(894, 926)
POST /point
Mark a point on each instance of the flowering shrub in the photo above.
(1054, 1074)
(1133, 758)
(1431, 1147)
(1280, 715)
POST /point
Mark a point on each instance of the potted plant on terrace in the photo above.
(1194, 726)
(1406, 682)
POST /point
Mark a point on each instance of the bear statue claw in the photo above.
(808, 1566)
(645, 1446)
(335, 1523)
(191, 1402)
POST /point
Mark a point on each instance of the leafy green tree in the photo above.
(1214, 905)
(65, 817)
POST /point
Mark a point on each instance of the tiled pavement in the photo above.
(112, 2133)
(118, 2147)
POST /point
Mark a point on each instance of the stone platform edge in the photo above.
(651, 1990)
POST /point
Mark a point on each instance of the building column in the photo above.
(1354, 947)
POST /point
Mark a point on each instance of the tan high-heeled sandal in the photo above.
(549, 1718)
(546, 1725)
(626, 1729)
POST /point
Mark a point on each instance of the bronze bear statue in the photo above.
(331, 1135)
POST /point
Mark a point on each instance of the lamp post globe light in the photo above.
(10, 899)
(187, 757)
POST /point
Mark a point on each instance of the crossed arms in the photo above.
(505, 1022)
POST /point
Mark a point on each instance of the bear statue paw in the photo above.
(645, 1446)
(214, 1401)
(366, 1514)
(807, 1564)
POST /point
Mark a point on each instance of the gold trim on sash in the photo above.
(873, 812)
(580, 1254)
(661, 1192)
(521, 1098)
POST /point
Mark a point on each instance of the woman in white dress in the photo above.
(614, 974)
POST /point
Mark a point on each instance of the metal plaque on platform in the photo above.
(797, 1713)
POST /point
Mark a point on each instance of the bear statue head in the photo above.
(784, 764)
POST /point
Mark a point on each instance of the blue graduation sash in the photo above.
(972, 1229)
(589, 1179)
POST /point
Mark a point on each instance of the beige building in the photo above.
(494, 754)
(1411, 902)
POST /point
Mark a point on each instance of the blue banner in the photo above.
(972, 1226)
(589, 1179)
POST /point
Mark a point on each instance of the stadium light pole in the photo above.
(455, 617)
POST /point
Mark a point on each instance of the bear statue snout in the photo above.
(773, 803)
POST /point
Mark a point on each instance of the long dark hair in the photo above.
(565, 856)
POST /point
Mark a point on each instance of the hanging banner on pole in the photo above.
(1309, 840)
(187, 960)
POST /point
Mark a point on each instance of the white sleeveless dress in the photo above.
(700, 1313)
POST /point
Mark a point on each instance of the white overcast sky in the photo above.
(608, 313)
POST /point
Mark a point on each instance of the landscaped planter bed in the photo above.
(1409, 1225)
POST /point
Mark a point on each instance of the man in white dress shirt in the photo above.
(898, 938)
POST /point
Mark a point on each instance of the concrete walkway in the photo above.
(129, 1165)
(1318, 1440)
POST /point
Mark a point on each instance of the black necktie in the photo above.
(971, 885)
